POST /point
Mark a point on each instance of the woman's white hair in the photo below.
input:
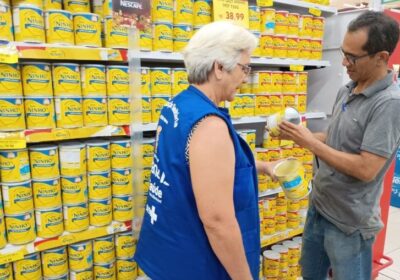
(220, 41)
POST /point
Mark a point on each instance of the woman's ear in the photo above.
(218, 70)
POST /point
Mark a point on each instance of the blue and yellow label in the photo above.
(3, 239)
(98, 156)
(254, 18)
(17, 197)
(82, 274)
(126, 269)
(121, 153)
(116, 35)
(55, 262)
(145, 180)
(14, 166)
(146, 109)
(118, 80)
(66, 79)
(182, 35)
(100, 213)
(104, 271)
(77, 6)
(46, 193)
(36, 79)
(146, 39)
(69, 112)
(95, 111)
(202, 11)
(29, 24)
(157, 103)
(76, 217)
(59, 27)
(104, 250)
(44, 161)
(6, 32)
(147, 149)
(162, 37)
(80, 256)
(93, 80)
(145, 88)
(162, 10)
(20, 228)
(10, 80)
(125, 244)
(122, 208)
(179, 80)
(49, 222)
(40, 112)
(74, 189)
(160, 81)
(119, 110)
(121, 181)
(29, 268)
(52, 4)
(12, 116)
(183, 12)
(87, 28)
(99, 185)
(6, 272)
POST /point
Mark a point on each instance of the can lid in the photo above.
(82, 204)
(298, 239)
(31, 6)
(97, 142)
(120, 140)
(291, 244)
(42, 147)
(118, 67)
(107, 172)
(83, 243)
(279, 248)
(286, 167)
(27, 213)
(58, 249)
(108, 199)
(161, 68)
(13, 184)
(148, 140)
(272, 255)
(65, 64)
(45, 180)
(58, 11)
(40, 209)
(261, 150)
(72, 145)
(85, 13)
(93, 65)
(105, 238)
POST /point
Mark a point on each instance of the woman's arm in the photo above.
(212, 167)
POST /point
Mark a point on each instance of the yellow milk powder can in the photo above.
(81, 274)
(6, 32)
(69, 111)
(179, 80)
(49, 222)
(87, 28)
(145, 81)
(10, 80)
(181, 36)
(202, 12)
(54, 262)
(121, 181)
(117, 80)
(162, 10)
(267, 21)
(12, 116)
(104, 271)
(254, 18)
(162, 36)
(17, 197)
(44, 161)
(59, 27)
(77, 6)
(125, 245)
(116, 35)
(39, 112)
(119, 110)
(80, 256)
(126, 269)
(72, 159)
(99, 185)
(100, 213)
(98, 155)
(104, 250)
(183, 12)
(52, 4)
(1, 206)
(122, 208)
(28, 268)
(36, 79)
(14, 166)
(157, 103)
(147, 150)
(76, 217)
(95, 111)
(20, 228)
(28, 24)
(146, 39)
(146, 109)
(46, 193)
(262, 105)
(3, 239)
(6, 272)
(160, 78)
(93, 77)
(74, 189)
(66, 79)
(121, 153)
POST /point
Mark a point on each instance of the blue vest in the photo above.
(173, 244)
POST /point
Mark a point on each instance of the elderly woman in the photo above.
(201, 219)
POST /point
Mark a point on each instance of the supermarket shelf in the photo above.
(286, 62)
(13, 253)
(270, 192)
(326, 10)
(18, 140)
(277, 237)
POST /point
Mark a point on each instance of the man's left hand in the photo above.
(301, 135)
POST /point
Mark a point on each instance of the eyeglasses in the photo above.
(245, 68)
(352, 59)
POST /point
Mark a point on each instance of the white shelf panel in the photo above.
(326, 10)
(270, 192)
(161, 57)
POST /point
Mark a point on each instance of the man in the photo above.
(356, 151)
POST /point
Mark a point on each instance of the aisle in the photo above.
(392, 246)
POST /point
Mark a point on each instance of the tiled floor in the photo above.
(392, 246)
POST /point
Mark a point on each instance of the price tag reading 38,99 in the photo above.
(232, 10)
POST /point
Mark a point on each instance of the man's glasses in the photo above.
(352, 59)
(245, 68)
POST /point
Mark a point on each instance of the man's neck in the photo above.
(364, 84)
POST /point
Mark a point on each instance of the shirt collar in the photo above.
(375, 87)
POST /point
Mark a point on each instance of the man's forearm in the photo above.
(321, 136)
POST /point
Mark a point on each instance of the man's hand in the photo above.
(299, 134)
